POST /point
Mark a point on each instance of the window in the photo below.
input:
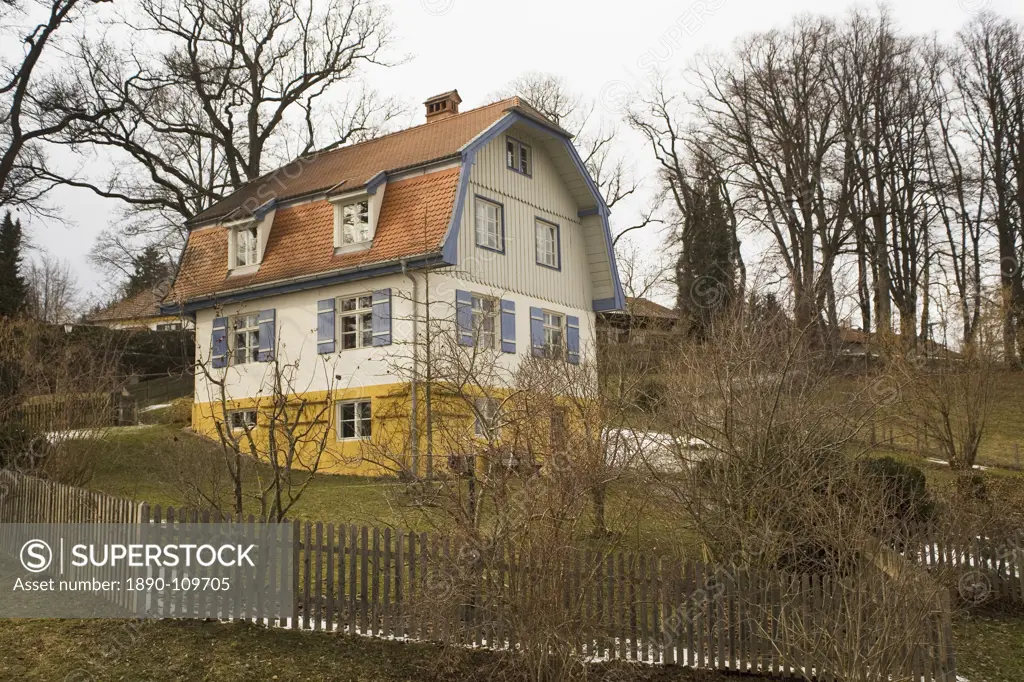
(240, 420)
(547, 244)
(355, 223)
(518, 156)
(245, 339)
(356, 322)
(354, 420)
(554, 345)
(169, 327)
(490, 232)
(246, 246)
(486, 413)
(485, 312)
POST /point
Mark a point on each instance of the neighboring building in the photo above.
(328, 262)
(642, 321)
(141, 311)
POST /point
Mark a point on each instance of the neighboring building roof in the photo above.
(142, 305)
(647, 308)
(352, 167)
(414, 218)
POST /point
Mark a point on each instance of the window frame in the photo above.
(245, 426)
(562, 349)
(493, 315)
(477, 201)
(363, 317)
(357, 419)
(490, 412)
(520, 147)
(253, 230)
(251, 330)
(539, 222)
(169, 327)
(340, 209)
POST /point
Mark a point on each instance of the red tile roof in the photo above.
(353, 166)
(142, 305)
(413, 220)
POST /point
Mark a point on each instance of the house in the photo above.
(334, 263)
(141, 311)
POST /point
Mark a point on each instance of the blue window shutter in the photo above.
(267, 320)
(508, 326)
(325, 326)
(537, 330)
(572, 338)
(219, 343)
(382, 317)
(464, 316)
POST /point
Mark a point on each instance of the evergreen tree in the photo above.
(150, 270)
(13, 290)
(709, 252)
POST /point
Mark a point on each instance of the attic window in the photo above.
(518, 156)
(355, 223)
(246, 246)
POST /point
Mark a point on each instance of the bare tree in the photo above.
(273, 445)
(52, 290)
(228, 88)
(989, 71)
(39, 101)
(768, 114)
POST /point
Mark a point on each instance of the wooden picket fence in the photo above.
(992, 569)
(419, 586)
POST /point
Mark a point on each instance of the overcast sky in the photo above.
(605, 50)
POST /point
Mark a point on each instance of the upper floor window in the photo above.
(356, 322)
(355, 223)
(518, 156)
(245, 341)
(485, 314)
(490, 228)
(246, 246)
(547, 246)
(169, 327)
(554, 335)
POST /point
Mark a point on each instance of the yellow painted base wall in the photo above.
(388, 451)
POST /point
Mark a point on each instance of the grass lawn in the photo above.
(167, 650)
(990, 646)
(139, 463)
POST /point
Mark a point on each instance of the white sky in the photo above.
(602, 49)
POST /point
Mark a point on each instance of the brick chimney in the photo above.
(443, 105)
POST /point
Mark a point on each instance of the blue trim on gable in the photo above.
(375, 182)
(587, 212)
(605, 305)
(327, 280)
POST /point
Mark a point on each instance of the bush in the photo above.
(905, 490)
(22, 447)
(180, 412)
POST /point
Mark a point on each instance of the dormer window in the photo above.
(247, 244)
(355, 218)
(355, 223)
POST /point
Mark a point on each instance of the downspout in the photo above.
(414, 431)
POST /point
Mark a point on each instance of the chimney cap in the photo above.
(442, 106)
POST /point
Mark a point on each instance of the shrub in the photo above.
(22, 447)
(905, 490)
